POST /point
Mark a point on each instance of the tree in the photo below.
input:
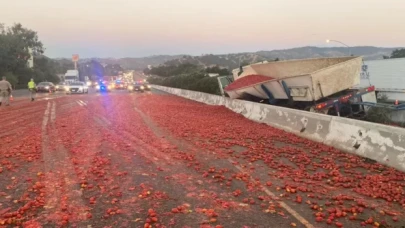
(172, 70)
(112, 69)
(93, 69)
(13, 79)
(146, 71)
(398, 53)
(45, 69)
(27, 36)
(63, 65)
(13, 53)
(16, 42)
(244, 63)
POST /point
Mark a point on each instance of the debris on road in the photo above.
(146, 160)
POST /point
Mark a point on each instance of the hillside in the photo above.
(130, 63)
(232, 60)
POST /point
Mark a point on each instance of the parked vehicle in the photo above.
(77, 87)
(120, 85)
(137, 86)
(147, 86)
(46, 87)
(61, 86)
(323, 85)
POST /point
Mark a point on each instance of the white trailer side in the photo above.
(387, 75)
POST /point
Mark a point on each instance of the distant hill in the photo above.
(131, 63)
(232, 61)
(368, 52)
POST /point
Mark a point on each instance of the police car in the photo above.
(104, 87)
(138, 86)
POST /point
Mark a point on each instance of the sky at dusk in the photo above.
(137, 28)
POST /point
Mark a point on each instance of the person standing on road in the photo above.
(5, 91)
(31, 87)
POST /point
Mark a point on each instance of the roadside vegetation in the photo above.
(379, 115)
(382, 115)
(187, 76)
(398, 53)
(15, 45)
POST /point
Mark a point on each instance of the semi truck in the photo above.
(71, 76)
(322, 85)
(388, 77)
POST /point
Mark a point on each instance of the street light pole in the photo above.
(336, 41)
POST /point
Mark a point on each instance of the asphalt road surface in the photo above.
(155, 160)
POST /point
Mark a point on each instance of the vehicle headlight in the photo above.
(142, 87)
(88, 83)
(130, 87)
(57, 87)
(67, 88)
(109, 87)
(86, 87)
(46, 87)
(148, 86)
(98, 87)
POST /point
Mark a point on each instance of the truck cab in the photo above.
(71, 76)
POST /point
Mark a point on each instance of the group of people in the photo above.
(6, 89)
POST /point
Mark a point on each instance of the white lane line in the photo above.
(53, 112)
(46, 116)
(282, 204)
(82, 102)
(79, 103)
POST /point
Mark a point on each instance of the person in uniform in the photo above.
(5, 91)
(32, 89)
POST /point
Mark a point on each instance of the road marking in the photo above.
(81, 103)
(46, 116)
(291, 211)
(282, 204)
(59, 169)
(53, 112)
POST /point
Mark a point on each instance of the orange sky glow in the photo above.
(122, 28)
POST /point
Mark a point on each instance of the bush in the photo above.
(11, 78)
(379, 115)
(195, 81)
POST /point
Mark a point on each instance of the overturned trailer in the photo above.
(324, 85)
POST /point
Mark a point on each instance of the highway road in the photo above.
(155, 160)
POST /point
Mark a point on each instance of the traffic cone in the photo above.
(396, 102)
(11, 98)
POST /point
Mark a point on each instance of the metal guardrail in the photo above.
(379, 105)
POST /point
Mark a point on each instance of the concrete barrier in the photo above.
(382, 143)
